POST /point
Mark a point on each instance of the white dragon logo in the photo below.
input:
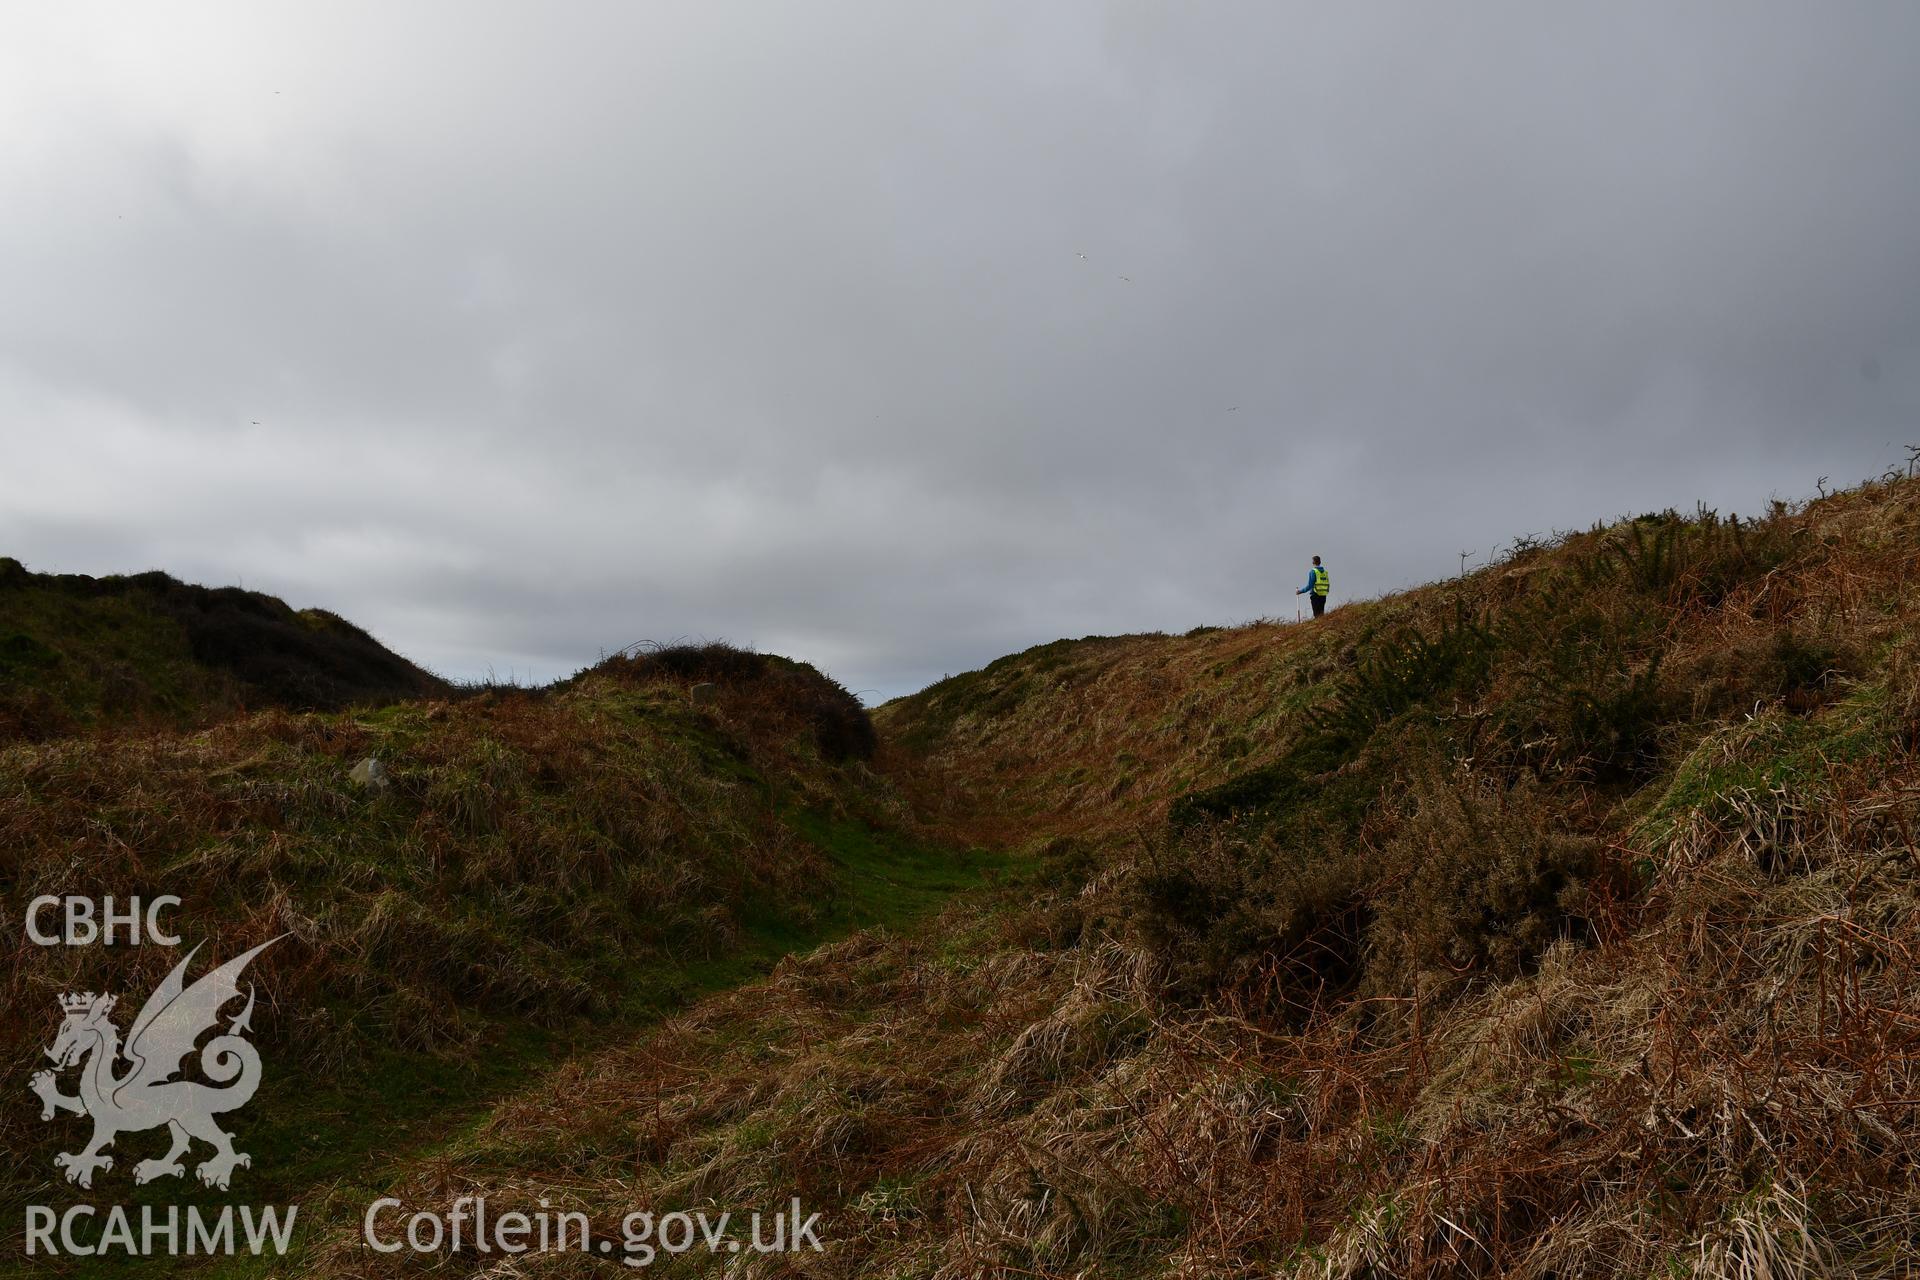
(147, 1094)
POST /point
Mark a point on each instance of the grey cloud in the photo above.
(899, 336)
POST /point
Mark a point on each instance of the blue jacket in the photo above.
(1309, 587)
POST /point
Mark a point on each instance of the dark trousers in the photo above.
(1319, 603)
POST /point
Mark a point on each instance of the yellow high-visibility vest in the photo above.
(1320, 583)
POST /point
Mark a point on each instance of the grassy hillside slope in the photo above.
(79, 653)
(1558, 921)
(538, 870)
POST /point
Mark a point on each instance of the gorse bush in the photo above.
(1579, 700)
(1405, 670)
(1613, 716)
(1686, 561)
(1461, 875)
(1799, 665)
(1802, 672)
(1274, 791)
(777, 688)
(1480, 878)
(1255, 911)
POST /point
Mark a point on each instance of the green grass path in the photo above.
(338, 1141)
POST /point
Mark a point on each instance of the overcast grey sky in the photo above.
(896, 336)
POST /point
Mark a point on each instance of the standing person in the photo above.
(1316, 587)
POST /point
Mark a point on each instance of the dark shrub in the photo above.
(841, 727)
(1268, 791)
(1405, 669)
(1613, 720)
(1257, 913)
(1480, 879)
(1804, 673)
(21, 653)
(147, 647)
(1701, 560)
(1579, 686)
(309, 660)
